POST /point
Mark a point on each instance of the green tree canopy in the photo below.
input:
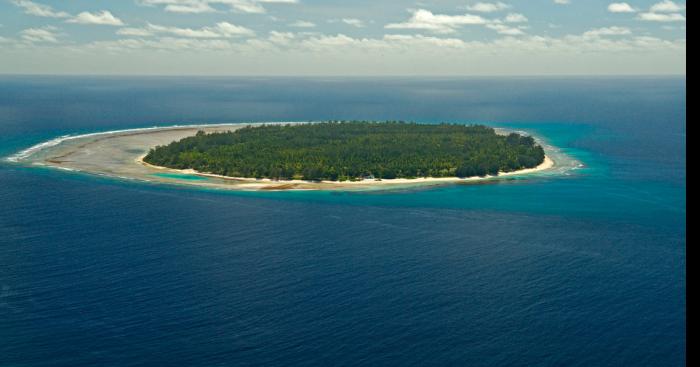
(352, 150)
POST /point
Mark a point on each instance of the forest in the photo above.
(351, 150)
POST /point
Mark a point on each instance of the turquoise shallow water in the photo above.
(180, 176)
(580, 269)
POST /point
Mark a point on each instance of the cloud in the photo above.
(505, 30)
(608, 31)
(184, 7)
(621, 8)
(667, 6)
(40, 35)
(227, 29)
(419, 40)
(353, 22)
(425, 20)
(388, 43)
(515, 18)
(220, 30)
(135, 32)
(401, 44)
(281, 38)
(208, 6)
(661, 17)
(488, 7)
(303, 24)
(305, 53)
(39, 10)
(562, 2)
(664, 11)
(99, 18)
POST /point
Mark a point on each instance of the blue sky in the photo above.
(359, 37)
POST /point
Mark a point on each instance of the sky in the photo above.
(338, 38)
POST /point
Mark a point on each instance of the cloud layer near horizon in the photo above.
(291, 37)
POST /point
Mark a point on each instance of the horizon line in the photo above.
(347, 76)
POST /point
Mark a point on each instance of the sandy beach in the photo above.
(548, 163)
(120, 154)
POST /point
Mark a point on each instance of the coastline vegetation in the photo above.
(351, 150)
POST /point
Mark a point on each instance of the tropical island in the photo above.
(351, 151)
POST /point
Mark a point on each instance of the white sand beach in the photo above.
(120, 154)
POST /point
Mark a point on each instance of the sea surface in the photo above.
(583, 269)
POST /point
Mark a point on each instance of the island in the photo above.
(283, 156)
(351, 151)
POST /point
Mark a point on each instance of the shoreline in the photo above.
(119, 154)
(548, 163)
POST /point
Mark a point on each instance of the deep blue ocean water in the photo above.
(582, 270)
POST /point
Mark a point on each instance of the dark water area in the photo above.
(579, 270)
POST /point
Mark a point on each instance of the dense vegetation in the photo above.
(351, 150)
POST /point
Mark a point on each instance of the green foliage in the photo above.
(352, 150)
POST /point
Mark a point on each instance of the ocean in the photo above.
(584, 269)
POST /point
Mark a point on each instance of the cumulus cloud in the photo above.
(424, 36)
(135, 32)
(220, 30)
(99, 18)
(353, 22)
(562, 2)
(39, 10)
(667, 6)
(488, 7)
(438, 23)
(505, 30)
(621, 8)
(40, 35)
(661, 17)
(281, 38)
(102, 18)
(209, 6)
(515, 18)
(608, 31)
(303, 24)
(306, 53)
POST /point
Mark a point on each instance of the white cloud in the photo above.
(303, 24)
(661, 17)
(99, 18)
(621, 8)
(184, 32)
(667, 6)
(608, 31)
(281, 38)
(353, 22)
(505, 30)
(488, 7)
(388, 43)
(420, 40)
(415, 40)
(562, 2)
(39, 10)
(209, 6)
(41, 35)
(664, 11)
(425, 20)
(391, 43)
(220, 30)
(188, 8)
(515, 18)
(135, 32)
